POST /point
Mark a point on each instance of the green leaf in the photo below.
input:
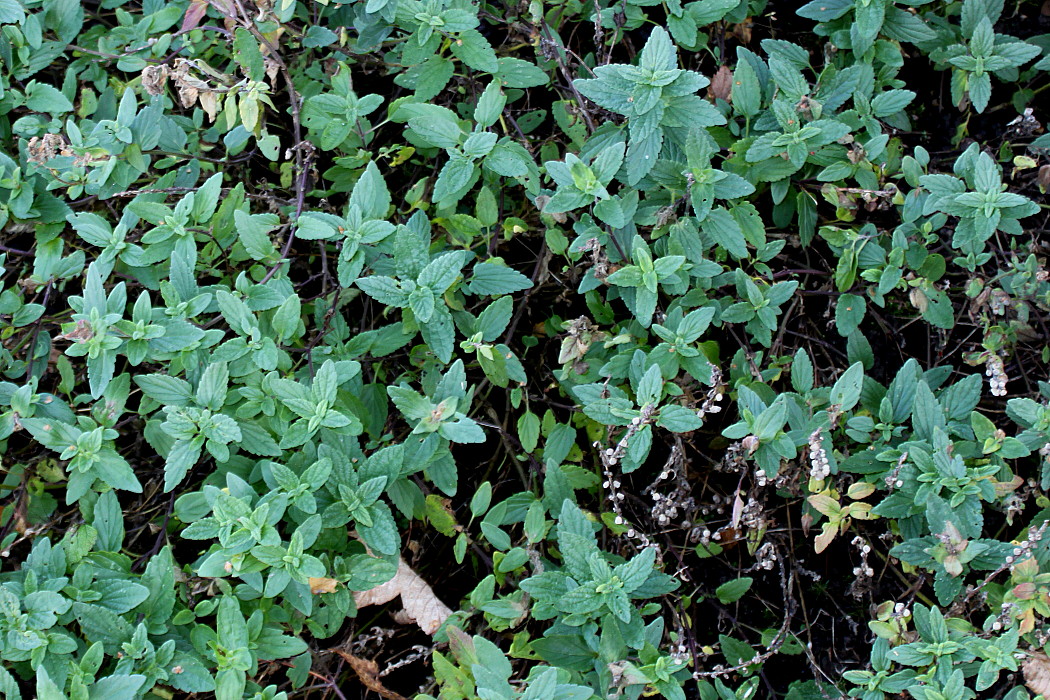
(725, 232)
(890, 102)
(442, 272)
(980, 90)
(41, 97)
(318, 37)
(432, 76)
(165, 390)
(211, 391)
(109, 524)
(490, 105)
(849, 312)
(463, 430)
(659, 51)
(455, 178)
(286, 319)
(802, 372)
(370, 193)
(246, 53)
(490, 278)
(904, 26)
(529, 431)
(770, 421)
(474, 49)
(825, 10)
(438, 129)
(642, 155)
(494, 319)
(747, 92)
(11, 12)
(440, 333)
(732, 591)
(117, 687)
(846, 391)
(253, 232)
(385, 290)
(678, 419)
(516, 73)
(182, 456)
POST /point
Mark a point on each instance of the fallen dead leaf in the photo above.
(155, 78)
(420, 603)
(721, 86)
(1036, 670)
(742, 31)
(738, 510)
(368, 672)
(1043, 178)
(322, 585)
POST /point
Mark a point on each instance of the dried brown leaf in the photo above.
(418, 599)
(742, 31)
(721, 86)
(368, 672)
(154, 78)
(738, 510)
(1043, 178)
(1037, 673)
(322, 585)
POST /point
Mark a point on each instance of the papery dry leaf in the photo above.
(738, 510)
(271, 67)
(322, 585)
(918, 299)
(368, 672)
(209, 103)
(192, 88)
(43, 148)
(417, 598)
(1043, 178)
(721, 86)
(154, 78)
(1036, 670)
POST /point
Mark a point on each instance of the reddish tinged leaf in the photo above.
(721, 86)
(194, 14)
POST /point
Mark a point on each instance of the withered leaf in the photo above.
(721, 86)
(1036, 671)
(322, 585)
(417, 598)
(368, 672)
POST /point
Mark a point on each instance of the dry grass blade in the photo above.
(418, 599)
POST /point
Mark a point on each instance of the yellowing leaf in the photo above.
(827, 534)
(825, 504)
(860, 489)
